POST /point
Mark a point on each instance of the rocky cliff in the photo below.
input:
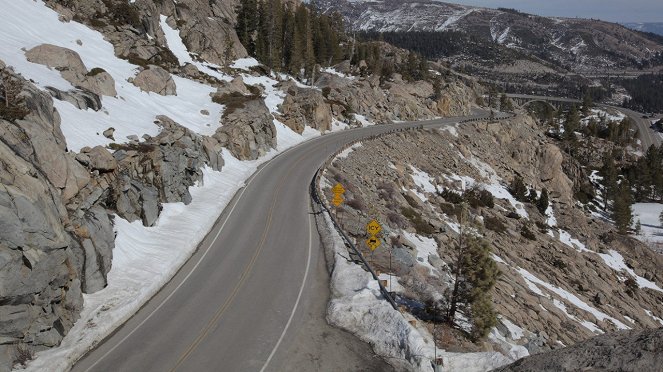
(566, 276)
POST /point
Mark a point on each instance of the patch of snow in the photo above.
(616, 261)
(423, 180)
(425, 248)
(452, 129)
(648, 213)
(568, 296)
(501, 192)
(245, 63)
(363, 120)
(651, 315)
(550, 214)
(565, 237)
(497, 259)
(344, 154)
(331, 70)
(180, 51)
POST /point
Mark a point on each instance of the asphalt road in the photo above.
(236, 304)
(648, 137)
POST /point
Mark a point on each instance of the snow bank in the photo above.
(358, 307)
(345, 153)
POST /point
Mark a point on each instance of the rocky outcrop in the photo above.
(622, 351)
(386, 101)
(156, 79)
(134, 29)
(40, 288)
(72, 68)
(159, 170)
(81, 99)
(304, 107)
(249, 131)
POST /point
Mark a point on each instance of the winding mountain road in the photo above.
(236, 305)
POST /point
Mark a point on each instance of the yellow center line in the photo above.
(205, 331)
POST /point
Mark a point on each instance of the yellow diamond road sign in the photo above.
(337, 200)
(338, 189)
(373, 228)
(373, 243)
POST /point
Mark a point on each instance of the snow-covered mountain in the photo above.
(576, 43)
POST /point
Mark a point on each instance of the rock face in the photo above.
(40, 288)
(622, 351)
(304, 107)
(72, 68)
(156, 79)
(56, 232)
(392, 100)
(249, 131)
(578, 289)
(206, 28)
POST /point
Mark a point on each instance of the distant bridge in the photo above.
(648, 137)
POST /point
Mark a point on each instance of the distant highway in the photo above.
(648, 137)
(236, 304)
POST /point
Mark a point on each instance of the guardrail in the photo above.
(317, 196)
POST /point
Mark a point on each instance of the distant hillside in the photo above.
(573, 44)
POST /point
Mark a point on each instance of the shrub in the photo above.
(95, 71)
(122, 13)
(543, 227)
(23, 355)
(357, 204)
(631, 286)
(12, 105)
(494, 224)
(396, 220)
(479, 198)
(422, 227)
(232, 101)
(527, 233)
(450, 210)
(451, 196)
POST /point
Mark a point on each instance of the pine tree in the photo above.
(437, 88)
(638, 227)
(475, 274)
(610, 175)
(622, 213)
(505, 103)
(518, 189)
(586, 104)
(571, 125)
(543, 202)
(247, 24)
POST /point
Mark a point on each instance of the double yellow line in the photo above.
(245, 274)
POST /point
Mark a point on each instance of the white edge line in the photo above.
(185, 278)
(299, 296)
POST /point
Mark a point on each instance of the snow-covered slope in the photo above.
(145, 258)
